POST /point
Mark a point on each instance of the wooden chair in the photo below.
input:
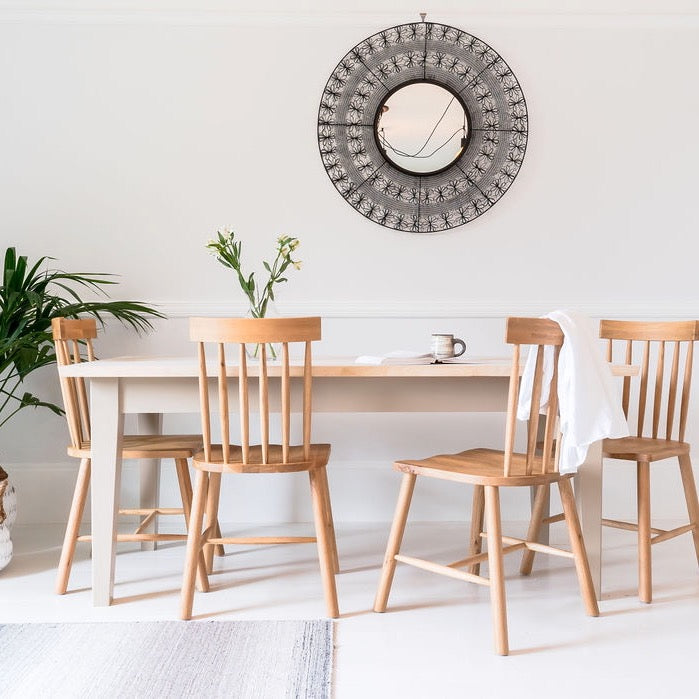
(263, 458)
(489, 470)
(656, 446)
(69, 336)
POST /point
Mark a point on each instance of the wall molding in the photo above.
(623, 15)
(443, 309)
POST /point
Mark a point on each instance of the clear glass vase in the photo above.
(274, 349)
(254, 352)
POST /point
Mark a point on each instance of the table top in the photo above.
(337, 367)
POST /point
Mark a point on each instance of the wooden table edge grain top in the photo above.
(151, 367)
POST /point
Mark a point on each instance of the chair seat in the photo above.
(643, 448)
(480, 467)
(319, 456)
(161, 446)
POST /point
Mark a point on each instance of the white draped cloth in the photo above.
(588, 399)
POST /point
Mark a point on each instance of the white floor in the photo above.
(435, 640)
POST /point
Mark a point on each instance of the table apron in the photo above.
(330, 394)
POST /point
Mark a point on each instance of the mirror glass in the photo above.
(422, 128)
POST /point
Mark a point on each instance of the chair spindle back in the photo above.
(68, 335)
(653, 337)
(542, 333)
(259, 332)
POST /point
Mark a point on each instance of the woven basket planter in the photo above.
(8, 514)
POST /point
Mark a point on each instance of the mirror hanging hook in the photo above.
(422, 16)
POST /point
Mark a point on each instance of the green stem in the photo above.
(272, 351)
(14, 412)
(10, 393)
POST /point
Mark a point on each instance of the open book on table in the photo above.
(397, 358)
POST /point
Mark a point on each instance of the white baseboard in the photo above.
(362, 491)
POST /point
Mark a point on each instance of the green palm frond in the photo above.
(30, 297)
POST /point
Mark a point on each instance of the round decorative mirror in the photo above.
(422, 127)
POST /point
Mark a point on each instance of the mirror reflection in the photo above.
(422, 128)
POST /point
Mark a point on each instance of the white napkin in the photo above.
(399, 357)
(588, 400)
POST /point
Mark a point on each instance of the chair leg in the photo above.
(577, 544)
(535, 523)
(476, 542)
(645, 591)
(324, 544)
(690, 494)
(394, 541)
(77, 508)
(194, 560)
(212, 516)
(496, 570)
(219, 550)
(329, 523)
(185, 483)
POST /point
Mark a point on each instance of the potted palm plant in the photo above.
(30, 297)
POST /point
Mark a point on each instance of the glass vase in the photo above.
(274, 349)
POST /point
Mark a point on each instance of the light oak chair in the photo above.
(658, 444)
(263, 457)
(69, 336)
(489, 470)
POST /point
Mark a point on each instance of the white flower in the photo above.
(297, 264)
(294, 244)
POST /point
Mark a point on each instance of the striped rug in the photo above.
(239, 659)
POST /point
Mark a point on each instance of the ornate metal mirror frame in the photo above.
(492, 147)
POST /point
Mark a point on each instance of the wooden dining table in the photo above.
(150, 387)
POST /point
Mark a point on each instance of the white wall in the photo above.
(129, 134)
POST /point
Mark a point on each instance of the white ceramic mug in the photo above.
(443, 346)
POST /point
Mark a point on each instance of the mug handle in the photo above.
(463, 346)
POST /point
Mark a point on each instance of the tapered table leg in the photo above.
(149, 476)
(107, 431)
(544, 529)
(588, 495)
